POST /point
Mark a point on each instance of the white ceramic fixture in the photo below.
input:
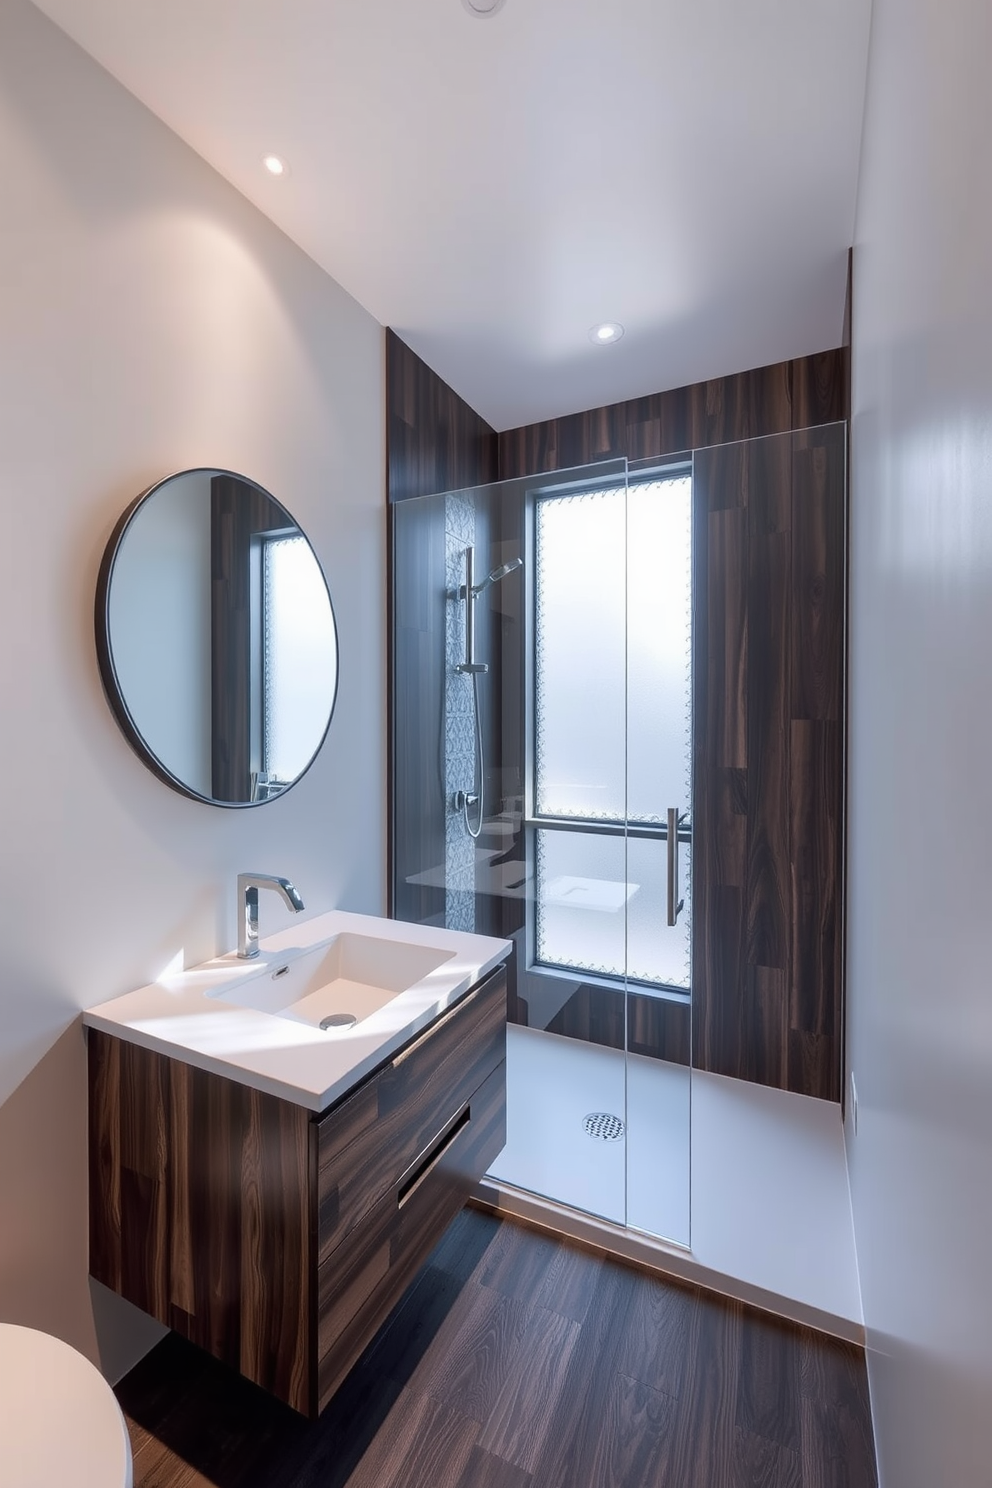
(351, 976)
(259, 1021)
(59, 1420)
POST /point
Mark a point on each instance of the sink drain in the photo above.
(338, 1020)
(604, 1126)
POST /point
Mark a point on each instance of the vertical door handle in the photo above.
(675, 904)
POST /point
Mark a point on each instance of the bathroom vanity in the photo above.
(268, 1186)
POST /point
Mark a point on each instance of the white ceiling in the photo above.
(492, 188)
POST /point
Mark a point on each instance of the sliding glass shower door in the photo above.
(542, 740)
(659, 851)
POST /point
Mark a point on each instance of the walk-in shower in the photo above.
(654, 753)
(542, 784)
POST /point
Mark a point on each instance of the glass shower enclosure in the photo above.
(542, 787)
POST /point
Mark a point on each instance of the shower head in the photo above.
(498, 574)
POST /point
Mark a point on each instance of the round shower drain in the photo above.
(338, 1020)
(604, 1126)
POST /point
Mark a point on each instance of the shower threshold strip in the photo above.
(651, 1254)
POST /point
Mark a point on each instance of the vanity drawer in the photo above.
(359, 1284)
(366, 1145)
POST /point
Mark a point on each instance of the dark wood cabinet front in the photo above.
(275, 1239)
(363, 1279)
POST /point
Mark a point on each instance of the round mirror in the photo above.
(216, 638)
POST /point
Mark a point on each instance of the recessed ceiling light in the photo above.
(275, 165)
(607, 332)
(483, 9)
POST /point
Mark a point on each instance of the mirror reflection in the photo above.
(216, 638)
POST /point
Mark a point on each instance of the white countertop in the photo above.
(178, 1016)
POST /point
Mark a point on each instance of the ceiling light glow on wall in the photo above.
(483, 9)
(275, 165)
(606, 333)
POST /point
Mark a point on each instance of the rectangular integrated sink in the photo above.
(339, 983)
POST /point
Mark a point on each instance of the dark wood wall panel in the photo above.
(767, 400)
(434, 440)
(768, 789)
(845, 339)
(657, 1027)
(594, 1014)
(417, 697)
(720, 803)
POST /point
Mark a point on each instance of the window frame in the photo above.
(641, 472)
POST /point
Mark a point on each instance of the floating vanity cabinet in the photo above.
(277, 1238)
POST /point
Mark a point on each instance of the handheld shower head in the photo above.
(498, 574)
(470, 592)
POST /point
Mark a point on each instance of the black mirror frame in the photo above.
(105, 658)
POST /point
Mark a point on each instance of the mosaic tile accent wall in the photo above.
(459, 722)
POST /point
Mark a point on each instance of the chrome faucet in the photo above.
(248, 887)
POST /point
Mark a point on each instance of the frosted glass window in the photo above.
(613, 737)
(579, 655)
(659, 648)
(582, 896)
(299, 645)
(657, 953)
(601, 907)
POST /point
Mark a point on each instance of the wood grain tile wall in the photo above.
(768, 400)
(657, 1027)
(768, 670)
(434, 440)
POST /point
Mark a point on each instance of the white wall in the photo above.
(920, 984)
(151, 320)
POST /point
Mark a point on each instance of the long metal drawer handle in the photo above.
(445, 1018)
(425, 1164)
(675, 904)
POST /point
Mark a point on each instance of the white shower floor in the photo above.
(763, 1180)
(552, 1084)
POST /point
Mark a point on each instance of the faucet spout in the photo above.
(290, 893)
(248, 887)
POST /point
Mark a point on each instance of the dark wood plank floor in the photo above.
(515, 1361)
